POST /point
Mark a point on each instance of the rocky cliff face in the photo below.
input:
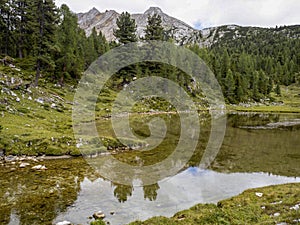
(181, 32)
(106, 22)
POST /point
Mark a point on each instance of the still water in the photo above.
(258, 150)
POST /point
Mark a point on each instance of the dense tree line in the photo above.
(248, 68)
(47, 39)
(256, 63)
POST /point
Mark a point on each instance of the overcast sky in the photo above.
(205, 13)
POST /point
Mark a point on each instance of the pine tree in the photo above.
(229, 86)
(240, 91)
(255, 86)
(69, 61)
(126, 31)
(99, 41)
(154, 29)
(278, 90)
(43, 24)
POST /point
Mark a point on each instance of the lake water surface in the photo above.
(258, 150)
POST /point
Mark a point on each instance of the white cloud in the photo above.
(264, 13)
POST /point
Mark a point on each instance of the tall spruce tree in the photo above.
(126, 31)
(44, 19)
(154, 29)
(69, 62)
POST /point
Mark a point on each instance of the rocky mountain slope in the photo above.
(181, 32)
(106, 22)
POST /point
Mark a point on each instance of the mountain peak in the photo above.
(154, 10)
(93, 10)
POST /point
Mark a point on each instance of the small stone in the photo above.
(23, 165)
(99, 215)
(39, 167)
(258, 194)
(276, 214)
(276, 203)
(296, 207)
(64, 223)
(112, 213)
(18, 99)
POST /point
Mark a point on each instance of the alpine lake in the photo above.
(258, 150)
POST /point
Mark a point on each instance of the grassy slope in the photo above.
(290, 97)
(274, 207)
(33, 128)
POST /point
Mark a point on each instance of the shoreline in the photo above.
(227, 110)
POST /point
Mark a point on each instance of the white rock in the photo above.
(276, 203)
(40, 100)
(296, 207)
(276, 214)
(64, 223)
(18, 99)
(23, 165)
(39, 167)
(30, 98)
(78, 145)
(259, 194)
